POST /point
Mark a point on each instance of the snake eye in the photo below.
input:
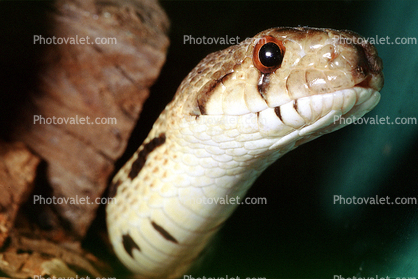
(268, 54)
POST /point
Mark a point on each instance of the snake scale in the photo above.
(236, 112)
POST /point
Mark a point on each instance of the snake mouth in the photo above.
(309, 117)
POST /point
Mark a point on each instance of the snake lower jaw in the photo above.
(310, 117)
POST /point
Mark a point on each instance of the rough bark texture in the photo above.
(26, 257)
(17, 174)
(92, 81)
(46, 91)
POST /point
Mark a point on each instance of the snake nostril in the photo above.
(365, 83)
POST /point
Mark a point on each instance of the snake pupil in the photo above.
(270, 55)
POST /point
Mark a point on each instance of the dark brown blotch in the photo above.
(207, 90)
(204, 95)
(263, 85)
(129, 244)
(278, 113)
(113, 188)
(163, 232)
(138, 164)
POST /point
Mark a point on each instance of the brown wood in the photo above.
(80, 81)
(17, 174)
(26, 257)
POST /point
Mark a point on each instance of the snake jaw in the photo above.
(325, 80)
(309, 117)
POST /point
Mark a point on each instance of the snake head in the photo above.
(295, 83)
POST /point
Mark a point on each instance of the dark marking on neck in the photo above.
(129, 244)
(207, 90)
(263, 85)
(204, 94)
(201, 104)
(113, 188)
(295, 105)
(143, 154)
(163, 232)
(278, 113)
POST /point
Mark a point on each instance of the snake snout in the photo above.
(369, 65)
(369, 58)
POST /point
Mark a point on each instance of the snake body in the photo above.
(236, 112)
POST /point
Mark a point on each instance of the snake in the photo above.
(235, 113)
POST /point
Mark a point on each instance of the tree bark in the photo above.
(90, 95)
